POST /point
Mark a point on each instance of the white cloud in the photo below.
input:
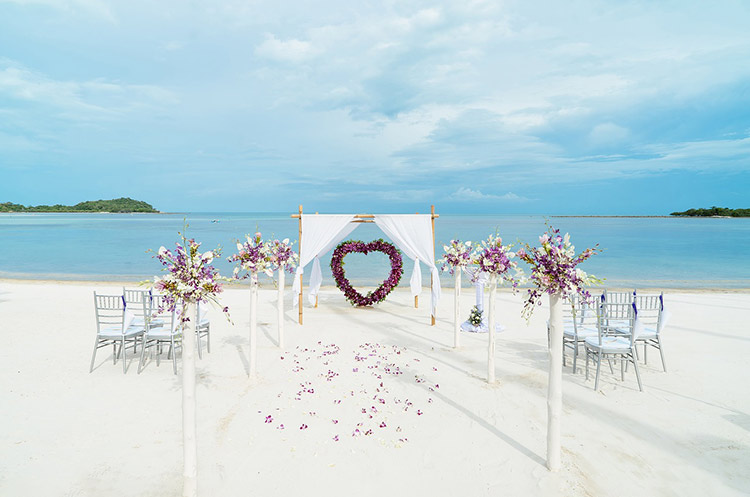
(98, 7)
(290, 50)
(173, 45)
(426, 17)
(467, 194)
(12, 142)
(96, 97)
(608, 134)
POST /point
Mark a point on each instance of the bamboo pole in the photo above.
(416, 297)
(432, 218)
(281, 306)
(554, 393)
(300, 255)
(189, 424)
(491, 332)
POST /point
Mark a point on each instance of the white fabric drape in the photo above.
(316, 275)
(412, 233)
(321, 232)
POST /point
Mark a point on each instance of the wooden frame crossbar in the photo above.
(364, 218)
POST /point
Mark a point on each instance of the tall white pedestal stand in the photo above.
(554, 394)
(189, 425)
(281, 307)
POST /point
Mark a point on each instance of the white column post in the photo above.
(281, 307)
(253, 323)
(189, 427)
(457, 309)
(491, 332)
(554, 394)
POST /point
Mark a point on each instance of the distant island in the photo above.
(714, 212)
(115, 205)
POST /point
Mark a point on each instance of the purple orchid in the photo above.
(554, 269)
(190, 276)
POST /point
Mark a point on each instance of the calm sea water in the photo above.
(638, 252)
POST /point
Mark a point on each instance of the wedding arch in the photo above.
(414, 234)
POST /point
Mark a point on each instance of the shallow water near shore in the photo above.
(637, 252)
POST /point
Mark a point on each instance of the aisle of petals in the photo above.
(393, 390)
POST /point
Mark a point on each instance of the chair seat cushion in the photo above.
(609, 344)
(116, 331)
(621, 330)
(583, 331)
(618, 323)
(155, 323)
(648, 333)
(163, 333)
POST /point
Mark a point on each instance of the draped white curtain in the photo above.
(321, 233)
(412, 233)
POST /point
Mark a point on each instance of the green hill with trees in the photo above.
(714, 212)
(123, 204)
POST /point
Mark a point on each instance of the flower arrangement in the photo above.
(553, 269)
(190, 276)
(380, 293)
(493, 257)
(475, 317)
(457, 256)
(253, 256)
(282, 255)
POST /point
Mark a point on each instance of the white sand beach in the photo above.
(373, 402)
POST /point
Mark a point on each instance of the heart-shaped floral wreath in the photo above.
(380, 293)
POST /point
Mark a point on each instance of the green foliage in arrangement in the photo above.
(123, 204)
(475, 318)
(714, 211)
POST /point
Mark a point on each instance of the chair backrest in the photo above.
(588, 314)
(609, 297)
(176, 319)
(650, 309)
(201, 311)
(571, 309)
(157, 308)
(620, 314)
(110, 311)
(138, 300)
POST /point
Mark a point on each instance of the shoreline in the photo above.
(268, 285)
(86, 212)
(614, 216)
(629, 216)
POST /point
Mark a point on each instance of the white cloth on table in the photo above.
(322, 232)
(412, 233)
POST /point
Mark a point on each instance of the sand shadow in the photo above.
(266, 329)
(662, 441)
(492, 429)
(469, 414)
(238, 343)
(740, 419)
(706, 332)
(134, 356)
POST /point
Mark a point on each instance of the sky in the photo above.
(518, 107)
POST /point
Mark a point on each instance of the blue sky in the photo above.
(583, 107)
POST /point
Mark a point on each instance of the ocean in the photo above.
(703, 253)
